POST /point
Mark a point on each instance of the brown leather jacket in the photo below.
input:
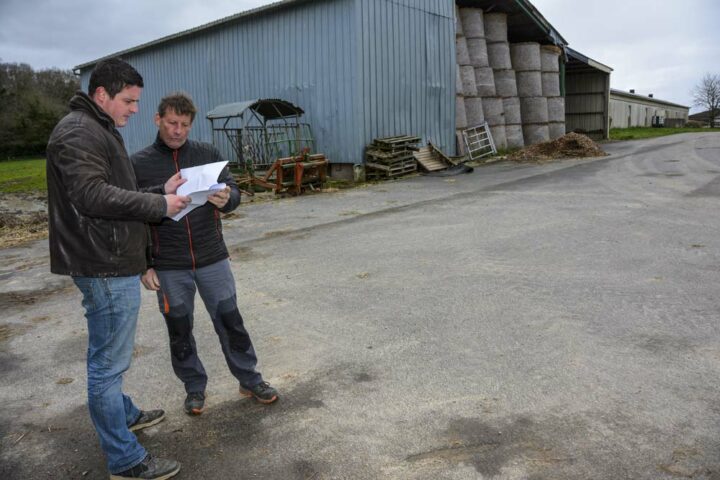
(97, 215)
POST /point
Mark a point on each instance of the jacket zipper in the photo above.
(187, 220)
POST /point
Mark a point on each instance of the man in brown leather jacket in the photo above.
(99, 237)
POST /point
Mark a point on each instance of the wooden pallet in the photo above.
(396, 144)
(431, 159)
(383, 157)
(387, 170)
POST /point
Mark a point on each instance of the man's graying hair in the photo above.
(180, 103)
(113, 74)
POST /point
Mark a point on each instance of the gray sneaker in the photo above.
(151, 468)
(263, 392)
(194, 403)
(147, 419)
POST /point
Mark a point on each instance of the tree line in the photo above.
(31, 103)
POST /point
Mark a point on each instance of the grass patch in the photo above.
(23, 176)
(635, 133)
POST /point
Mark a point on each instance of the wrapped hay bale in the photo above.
(493, 110)
(550, 58)
(472, 22)
(459, 89)
(556, 109)
(474, 113)
(505, 83)
(525, 56)
(514, 136)
(499, 55)
(499, 137)
(477, 50)
(460, 115)
(458, 23)
(467, 75)
(511, 109)
(496, 27)
(534, 110)
(460, 146)
(485, 82)
(536, 133)
(529, 83)
(557, 129)
(550, 84)
(461, 51)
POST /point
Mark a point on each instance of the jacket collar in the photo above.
(82, 101)
(162, 146)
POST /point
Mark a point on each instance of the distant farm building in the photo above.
(628, 109)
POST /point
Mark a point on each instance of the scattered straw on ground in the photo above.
(17, 229)
(571, 145)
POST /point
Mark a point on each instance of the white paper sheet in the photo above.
(201, 182)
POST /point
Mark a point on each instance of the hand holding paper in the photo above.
(219, 198)
(201, 181)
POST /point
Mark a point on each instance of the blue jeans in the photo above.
(111, 308)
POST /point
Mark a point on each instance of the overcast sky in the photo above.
(654, 46)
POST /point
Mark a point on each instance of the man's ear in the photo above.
(157, 119)
(100, 94)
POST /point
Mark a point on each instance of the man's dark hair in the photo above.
(180, 103)
(113, 74)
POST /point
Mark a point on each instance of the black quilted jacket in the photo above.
(197, 239)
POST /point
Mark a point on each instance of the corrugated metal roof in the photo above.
(575, 55)
(202, 28)
(635, 96)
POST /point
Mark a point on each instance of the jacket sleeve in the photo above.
(158, 189)
(86, 176)
(227, 178)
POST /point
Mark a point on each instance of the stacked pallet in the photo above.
(391, 157)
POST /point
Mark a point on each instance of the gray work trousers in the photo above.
(176, 299)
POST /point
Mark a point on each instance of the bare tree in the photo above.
(706, 94)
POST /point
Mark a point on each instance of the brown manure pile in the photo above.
(571, 145)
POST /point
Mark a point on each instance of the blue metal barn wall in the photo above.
(408, 69)
(359, 68)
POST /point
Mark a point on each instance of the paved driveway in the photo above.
(521, 322)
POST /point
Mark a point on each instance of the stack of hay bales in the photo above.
(550, 60)
(514, 88)
(505, 79)
(498, 50)
(471, 56)
(533, 105)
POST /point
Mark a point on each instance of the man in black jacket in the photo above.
(98, 236)
(190, 254)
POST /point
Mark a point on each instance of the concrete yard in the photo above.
(540, 322)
